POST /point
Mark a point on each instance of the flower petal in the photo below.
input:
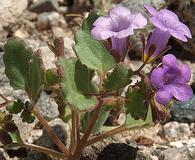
(155, 21)
(138, 21)
(157, 77)
(182, 92)
(100, 33)
(150, 9)
(105, 22)
(119, 11)
(164, 95)
(168, 15)
(169, 60)
(185, 73)
(119, 44)
(183, 28)
(178, 35)
(124, 33)
(158, 38)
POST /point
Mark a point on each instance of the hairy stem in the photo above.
(74, 131)
(109, 134)
(102, 75)
(38, 148)
(51, 133)
(87, 133)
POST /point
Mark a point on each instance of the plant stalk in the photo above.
(109, 134)
(87, 133)
(38, 149)
(51, 133)
(74, 131)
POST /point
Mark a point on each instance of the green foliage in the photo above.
(5, 138)
(15, 107)
(27, 116)
(23, 67)
(72, 90)
(104, 114)
(16, 58)
(130, 121)
(51, 77)
(88, 22)
(135, 103)
(35, 77)
(119, 78)
(91, 52)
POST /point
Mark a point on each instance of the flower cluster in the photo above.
(167, 24)
(171, 78)
(118, 26)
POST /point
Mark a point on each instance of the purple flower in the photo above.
(118, 25)
(171, 79)
(167, 24)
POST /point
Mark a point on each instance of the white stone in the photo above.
(10, 10)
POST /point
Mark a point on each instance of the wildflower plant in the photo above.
(84, 103)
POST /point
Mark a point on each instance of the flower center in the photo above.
(170, 77)
(120, 24)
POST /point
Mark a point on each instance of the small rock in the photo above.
(55, 19)
(34, 44)
(63, 132)
(184, 111)
(10, 10)
(144, 141)
(58, 32)
(144, 153)
(68, 43)
(138, 6)
(62, 129)
(21, 33)
(175, 153)
(48, 107)
(48, 20)
(43, 22)
(41, 6)
(118, 151)
(176, 131)
(48, 57)
(177, 144)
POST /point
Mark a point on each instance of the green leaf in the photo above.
(135, 103)
(35, 77)
(51, 77)
(70, 89)
(15, 107)
(104, 114)
(10, 127)
(119, 78)
(82, 77)
(5, 138)
(16, 58)
(88, 22)
(130, 121)
(16, 138)
(27, 116)
(23, 68)
(91, 52)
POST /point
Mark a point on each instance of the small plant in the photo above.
(101, 46)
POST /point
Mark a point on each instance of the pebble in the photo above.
(48, 20)
(48, 107)
(176, 131)
(41, 6)
(184, 111)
